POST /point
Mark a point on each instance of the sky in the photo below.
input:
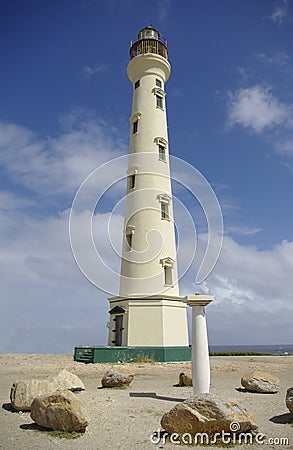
(65, 103)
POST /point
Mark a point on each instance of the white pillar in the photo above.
(200, 348)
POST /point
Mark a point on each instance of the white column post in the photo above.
(200, 348)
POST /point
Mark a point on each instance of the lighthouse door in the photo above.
(118, 330)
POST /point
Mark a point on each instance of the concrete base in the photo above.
(155, 321)
(99, 354)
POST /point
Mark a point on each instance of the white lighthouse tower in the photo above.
(149, 313)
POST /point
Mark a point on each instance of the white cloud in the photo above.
(256, 108)
(253, 291)
(42, 285)
(265, 273)
(280, 12)
(242, 230)
(11, 202)
(163, 9)
(88, 72)
(245, 73)
(278, 58)
(40, 281)
(56, 166)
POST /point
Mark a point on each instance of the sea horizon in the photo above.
(282, 349)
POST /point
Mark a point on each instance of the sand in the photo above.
(126, 419)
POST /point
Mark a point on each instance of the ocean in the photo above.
(278, 349)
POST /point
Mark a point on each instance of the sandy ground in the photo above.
(126, 419)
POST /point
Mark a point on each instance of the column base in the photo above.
(100, 354)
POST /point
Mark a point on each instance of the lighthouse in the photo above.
(149, 315)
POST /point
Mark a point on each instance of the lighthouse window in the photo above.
(162, 153)
(168, 275)
(135, 127)
(165, 211)
(159, 101)
(158, 83)
(136, 84)
(131, 182)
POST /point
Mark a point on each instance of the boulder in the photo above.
(67, 380)
(260, 382)
(59, 411)
(116, 379)
(23, 392)
(289, 399)
(208, 413)
(184, 380)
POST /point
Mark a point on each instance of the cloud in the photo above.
(89, 72)
(41, 283)
(280, 13)
(253, 291)
(278, 61)
(256, 108)
(278, 58)
(163, 9)
(11, 202)
(244, 273)
(57, 165)
(245, 73)
(242, 230)
(285, 148)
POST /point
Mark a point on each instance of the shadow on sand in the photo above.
(9, 407)
(31, 426)
(157, 397)
(282, 418)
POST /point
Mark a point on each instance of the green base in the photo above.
(99, 354)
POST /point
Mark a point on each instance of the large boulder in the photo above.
(23, 392)
(289, 399)
(67, 380)
(116, 379)
(208, 413)
(260, 382)
(59, 411)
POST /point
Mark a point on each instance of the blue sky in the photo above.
(64, 109)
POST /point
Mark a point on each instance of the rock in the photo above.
(208, 413)
(23, 392)
(67, 380)
(59, 411)
(260, 382)
(184, 380)
(289, 399)
(116, 379)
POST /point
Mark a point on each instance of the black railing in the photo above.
(149, 45)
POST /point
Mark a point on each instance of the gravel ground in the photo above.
(126, 418)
